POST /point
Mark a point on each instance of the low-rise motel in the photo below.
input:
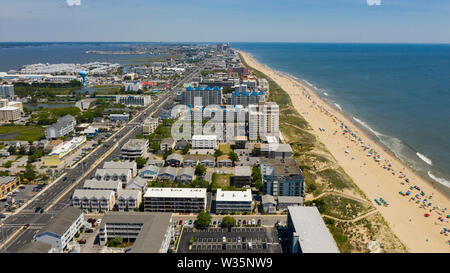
(61, 152)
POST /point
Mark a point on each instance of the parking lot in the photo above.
(238, 240)
(20, 194)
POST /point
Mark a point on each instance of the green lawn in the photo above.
(19, 132)
(225, 148)
(222, 180)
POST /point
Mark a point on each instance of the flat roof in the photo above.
(176, 192)
(152, 232)
(242, 171)
(313, 234)
(35, 247)
(236, 196)
(204, 137)
(62, 221)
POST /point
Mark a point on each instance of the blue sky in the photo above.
(411, 21)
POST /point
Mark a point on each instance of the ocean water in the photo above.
(400, 93)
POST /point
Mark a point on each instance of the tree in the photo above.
(154, 146)
(30, 172)
(12, 150)
(218, 153)
(203, 219)
(257, 177)
(200, 170)
(233, 156)
(140, 162)
(167, 153)
(228, 221)
(186, 149)
(32, 150)
(115, 241)
(256, 152)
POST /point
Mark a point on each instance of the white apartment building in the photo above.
(228, 201)
(180, 200)
(264, 119)
(61, 229)
(95, 200)
(133, 100)
(149, 232)
(204, 141)
(149, 126)
(62, 127)
(135, 148)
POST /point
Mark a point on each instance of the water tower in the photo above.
(83, 74)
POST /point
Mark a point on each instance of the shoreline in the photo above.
(373, 137)
(378, 181)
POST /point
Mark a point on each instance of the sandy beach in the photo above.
(347, 143)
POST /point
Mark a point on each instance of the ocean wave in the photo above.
(308, 83)
(338, 106)
(378, 134)
(439, 179)
(424, 158)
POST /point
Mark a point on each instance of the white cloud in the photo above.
(373, 2)
(72, 3)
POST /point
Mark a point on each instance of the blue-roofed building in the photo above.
(208, 95)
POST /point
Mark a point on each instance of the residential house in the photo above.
(129, 199)
(122, 165)
(174, 160)
(167, 144)
(224, 161)
(149, 172)
(138, 183)
(208, 161)
(190, 161)
(185, 175)
(167, 173)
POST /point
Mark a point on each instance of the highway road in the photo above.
(57, 195)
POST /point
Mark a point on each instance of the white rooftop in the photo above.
(67, 146)
(176, 192)
(204, 137)
(236, 196)
(313, 234)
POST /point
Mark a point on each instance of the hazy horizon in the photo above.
(304, 21)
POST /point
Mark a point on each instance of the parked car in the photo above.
(190, 222)
(82, 241)
(26, 226)
(37, 209)
(180, 222)
(2, 216)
